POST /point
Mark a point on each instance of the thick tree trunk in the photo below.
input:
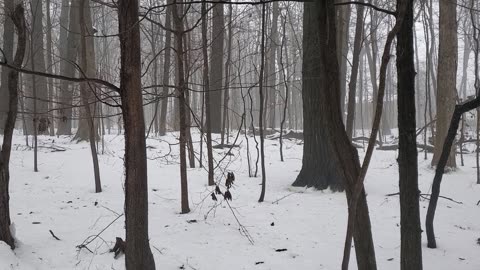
(319, 169)
(87, 130)
(137, 253)
(446, 76)
(411, 231)
(18, 18)
(8, 34)
(329, 159)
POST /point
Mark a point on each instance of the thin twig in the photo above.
(54, 236)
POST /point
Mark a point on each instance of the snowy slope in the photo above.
(309, 224)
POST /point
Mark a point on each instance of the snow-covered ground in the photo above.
(309, 224)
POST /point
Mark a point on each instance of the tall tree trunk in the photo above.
(137, 252)
(37, 63)
(51, 98)
(8, 34)
(261, 99)
(87, 56)
(166, 72)
(352, 86)
(343, 25)
(206, 91)
(177, 15)
(446, 76)
(69, 41)
(216, 68)
(329, 159)
(18, 19)
(88, 109)
(226, 95)
(411, 231)
(271, 70)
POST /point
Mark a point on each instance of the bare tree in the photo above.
(216, 68)
(446, 76)
(410, 228)
(137, 252)
(8, 33)
(18, 19)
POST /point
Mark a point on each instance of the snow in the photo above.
(309, 224)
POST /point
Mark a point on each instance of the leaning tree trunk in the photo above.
(18, 19)
(137, 252)
(442, 162)
(410, 229)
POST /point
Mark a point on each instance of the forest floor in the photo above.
(295, 228)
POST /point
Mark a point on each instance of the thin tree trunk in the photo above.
(51, 99)
(260, 114)
(357, 48)
(206, 92)
(177, 14)
(166, 72)
(226, 94)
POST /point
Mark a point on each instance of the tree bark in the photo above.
(206, 101)
(177, 14)
(343, 25)
(51, 91)
(329, 159)
(261, 99)
(442, 162)
(137, 253)
(216, 68)
(411, 231)
(166, 72)
(352, 86)
(18, 18)
(446, 76)
(8, 35)
(69, 41)
(38, 84)
(87, 64)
